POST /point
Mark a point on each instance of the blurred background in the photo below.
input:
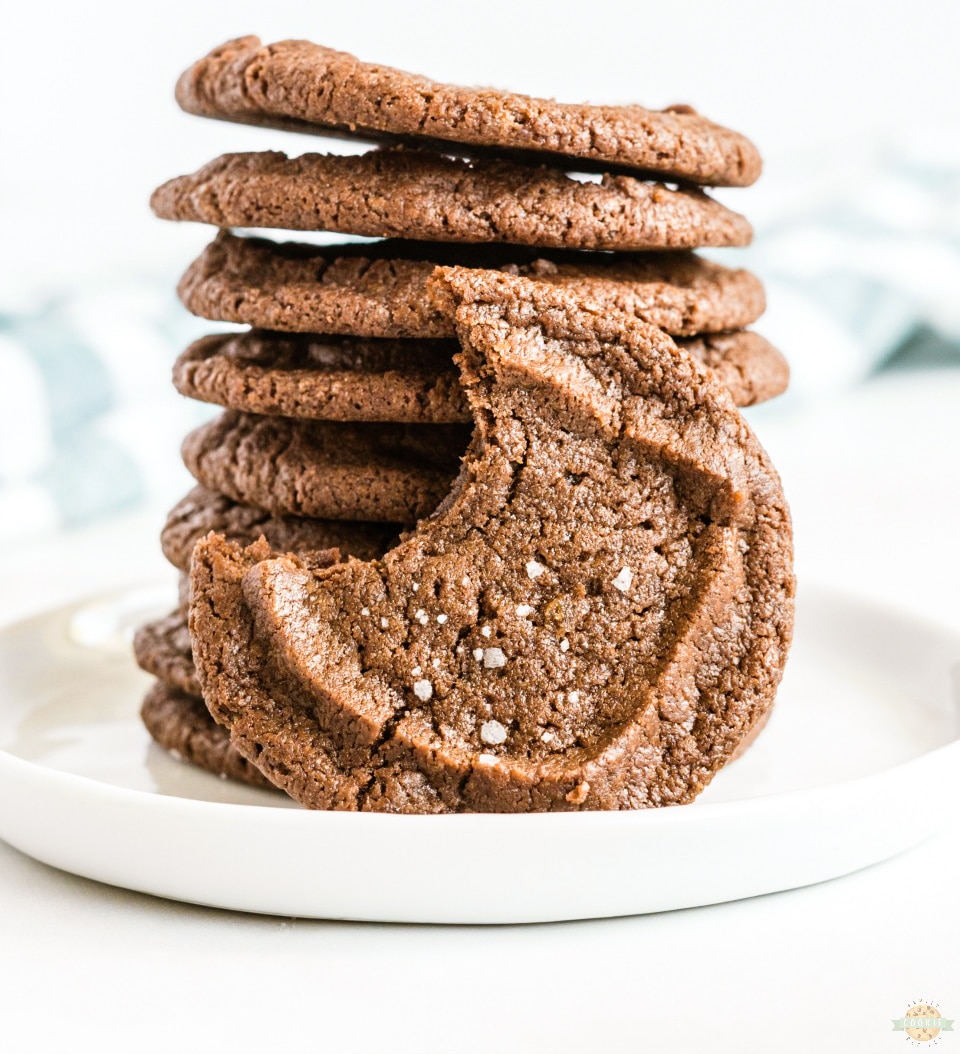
(855, 106)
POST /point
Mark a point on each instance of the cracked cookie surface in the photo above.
(307, 87)
(389, 473)
(596, 617)
(162, 647)
(380, 289)
(202, 511)
(408, 194)
(181, 724)
(321, 377)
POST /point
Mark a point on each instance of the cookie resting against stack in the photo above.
(481, 527)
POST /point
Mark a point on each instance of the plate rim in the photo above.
(668, 814)
(803, 835)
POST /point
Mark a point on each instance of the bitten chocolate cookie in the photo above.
(349, 380)
(595, 618)
(408, 194)
(380, 289)
(203, 511)
(181, 724)
(162, 647)
(299, 85)
(390, 473)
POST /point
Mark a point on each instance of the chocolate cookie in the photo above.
(203, 511)
(595, 618)
(299, 85)
(162, 647)
(349, 380)
(408, 194)
(181, 724)
(380, 289)
(390, 473)
(745, 363)
(325, 377)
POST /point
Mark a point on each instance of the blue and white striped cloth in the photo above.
(861, 262)
(90, 424)
(862, 271)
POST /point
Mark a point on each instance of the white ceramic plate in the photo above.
(854, 766)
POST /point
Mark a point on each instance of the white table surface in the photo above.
(873, 482)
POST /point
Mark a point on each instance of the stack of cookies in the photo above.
(480, 527)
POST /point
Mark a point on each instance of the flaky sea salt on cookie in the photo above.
(597, 617)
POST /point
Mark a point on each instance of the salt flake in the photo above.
(624, 580)
(493, 658)
(493, 733)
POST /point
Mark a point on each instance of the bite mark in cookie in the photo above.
(596, 617)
